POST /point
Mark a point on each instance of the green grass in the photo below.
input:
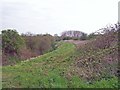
(49, 71)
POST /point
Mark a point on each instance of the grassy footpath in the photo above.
(48, 71)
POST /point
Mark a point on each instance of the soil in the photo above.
(77, 42)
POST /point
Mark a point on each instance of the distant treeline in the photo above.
(73, 34)
(16, 47)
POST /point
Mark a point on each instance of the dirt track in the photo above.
(77, 42)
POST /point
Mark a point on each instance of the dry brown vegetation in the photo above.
(98, 57)
(17, 47)
(93, 64)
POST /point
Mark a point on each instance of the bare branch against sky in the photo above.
(55, 16)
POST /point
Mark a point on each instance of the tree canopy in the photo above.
(11, 42)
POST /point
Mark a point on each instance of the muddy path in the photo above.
(77, 42)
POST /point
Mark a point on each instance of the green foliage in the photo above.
(45, 71)
(92, 65)
(91, 36)
(11, 42)
(56, 37)
(50, 71)
(25, 46)
(67, 38)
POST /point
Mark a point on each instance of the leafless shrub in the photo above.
(99, 57)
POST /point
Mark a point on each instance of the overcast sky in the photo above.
(55, 16)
